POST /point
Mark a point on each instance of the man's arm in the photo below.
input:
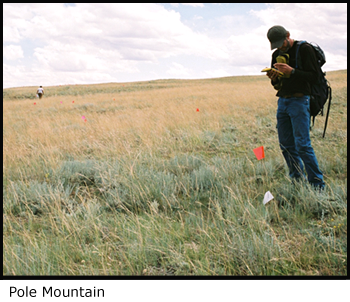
(309, 65)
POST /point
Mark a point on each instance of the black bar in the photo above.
(56, 291)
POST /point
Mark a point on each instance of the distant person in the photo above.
(40, 92)
(293, 110)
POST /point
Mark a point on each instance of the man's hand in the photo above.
(273, 74)
(285, 68)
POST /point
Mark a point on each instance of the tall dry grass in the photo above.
(149, 185)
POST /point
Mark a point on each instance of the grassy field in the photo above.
(159, 178)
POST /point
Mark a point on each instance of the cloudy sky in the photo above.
(83, 43)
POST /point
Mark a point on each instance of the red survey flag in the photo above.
(197, 109)
(259, 152)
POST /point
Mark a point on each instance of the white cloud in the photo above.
(137, 31)
(178, 70)
(197, 17)
(113, 41)
(193, 4)
(218, 73)
(12, 74)
(335, 62)
(103, 38)
(249, 49)
(323, 22)
(188, 4)
(13, 52)
(11, 34)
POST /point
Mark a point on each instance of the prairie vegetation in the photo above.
(132, 179)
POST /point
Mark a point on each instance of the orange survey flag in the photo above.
(259, 152)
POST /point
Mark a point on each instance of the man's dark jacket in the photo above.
(299, 81)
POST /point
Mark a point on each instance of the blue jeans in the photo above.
(293, 125)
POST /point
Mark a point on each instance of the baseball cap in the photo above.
(276, 35)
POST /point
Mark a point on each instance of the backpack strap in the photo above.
(296, 55)
(329, 106)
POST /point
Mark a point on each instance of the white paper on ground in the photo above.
(268, 196)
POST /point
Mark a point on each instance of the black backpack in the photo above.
(321, 90)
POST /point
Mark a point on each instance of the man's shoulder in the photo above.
(303, 44)
(275, 53)
(305, 48)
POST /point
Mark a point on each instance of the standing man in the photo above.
(40, 92)
(293, 112)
